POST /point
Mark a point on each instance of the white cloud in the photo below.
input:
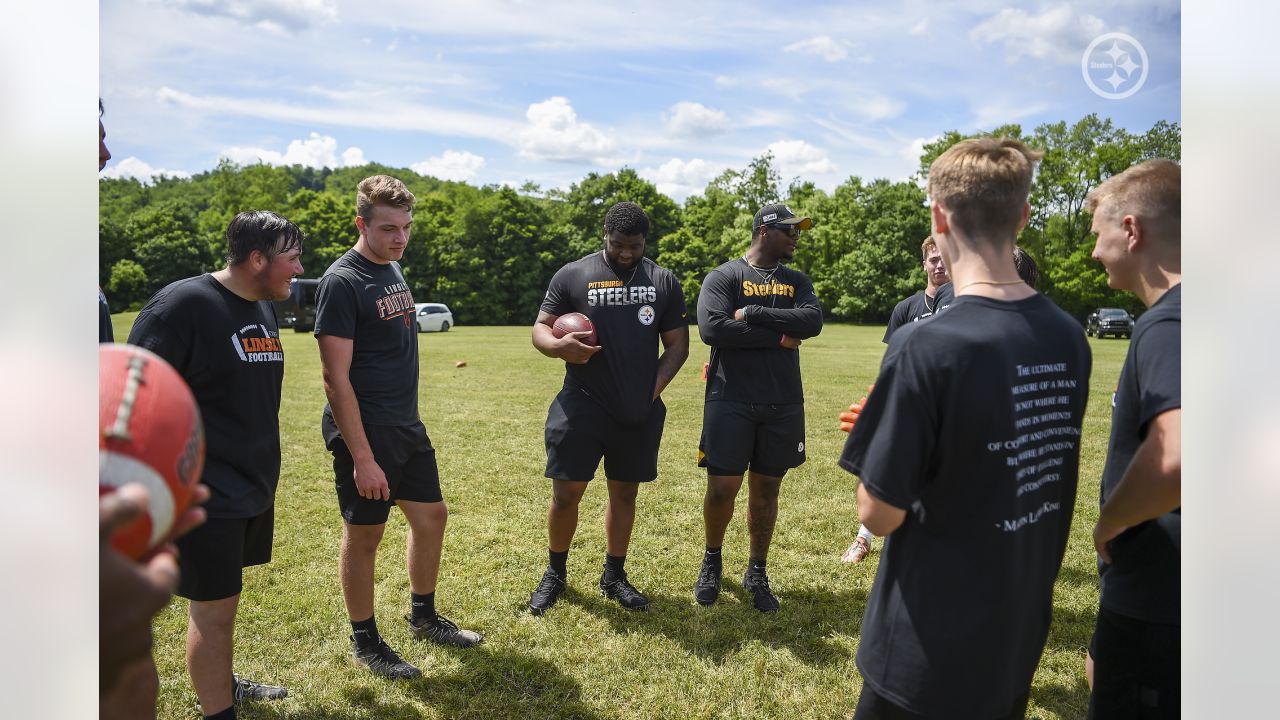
(132, 167)
(451, 165)
(725, 81)
(920, 28)
(915, 148)
(554, 133)
(279, 16)
(317, 151)
(678, 178)
(799, 158)
(1058, 34)
(695, 120)
(823, 46)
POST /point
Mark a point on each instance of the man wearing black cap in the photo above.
(753, 312)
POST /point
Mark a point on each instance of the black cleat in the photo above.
(384, 661)
(622, 591)
(707, 588)
(242, 689)
(548, 591)
(756, 582)
(444, 631)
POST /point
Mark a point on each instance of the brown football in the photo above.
(574, 322)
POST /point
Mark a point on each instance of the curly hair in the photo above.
(626, 218)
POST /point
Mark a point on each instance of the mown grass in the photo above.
(588, 658)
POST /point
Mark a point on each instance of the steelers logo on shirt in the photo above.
(646, 314)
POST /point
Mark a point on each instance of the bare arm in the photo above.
(1151, 486)
(569, 348)
(335, 357)
(879, 516)
(675, 350)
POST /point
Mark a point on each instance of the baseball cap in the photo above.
(778, 214)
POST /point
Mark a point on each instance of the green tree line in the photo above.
(488, 252)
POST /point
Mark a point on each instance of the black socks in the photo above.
(558, 561)
(365, 633)
(228, 714)
(424, 606)
(613, 567)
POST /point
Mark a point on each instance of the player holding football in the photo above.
(219, 332)
(968, 453)
(1137, 217)
(753, 312)
(610, 406)
(381, 453)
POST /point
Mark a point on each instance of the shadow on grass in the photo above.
(1078, 578)
(806, 624)
(488, 684)
(1068, 702)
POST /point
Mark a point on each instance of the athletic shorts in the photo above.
(580, 432)
(738, 436)
(212, 556)
(406, 457)
(1136, 668)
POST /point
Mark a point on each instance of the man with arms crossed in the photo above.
(219, 331)
(610, 406)
(753, 312)
(1137, 217)
(921, 305)
(381, 453)
(968, 451)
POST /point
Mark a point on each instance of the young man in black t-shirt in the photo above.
(219, 331)
(610, 406)
(917, 307)
(381, 453)
(753, 312)
(1137, 217)
(968, 451)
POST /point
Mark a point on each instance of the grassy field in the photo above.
(588, 658)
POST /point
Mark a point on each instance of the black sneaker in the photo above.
(444, 631)
(756, 582)
(548, 591)
(622, 591)
(242, 689)
(384, 661)
(707, 589)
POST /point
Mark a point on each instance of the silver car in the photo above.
(433, 317)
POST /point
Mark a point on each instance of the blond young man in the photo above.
(381, 453)
(968, 453)
(923, 304)
(1137, 217)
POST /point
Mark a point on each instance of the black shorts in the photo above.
(211, 557)
(737, 436)
(1136, 668)
(580, 431)
(406, 457)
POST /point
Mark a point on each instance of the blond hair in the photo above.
(382, 190)
(1150, 191)
(929, 242)
(984, 183)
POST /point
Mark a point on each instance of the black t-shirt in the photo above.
(748, 363)
(974, 428)
(105, 332)
(228, 350)
(629, 312)
(916, 307)
(371, 304)
(1145, 580)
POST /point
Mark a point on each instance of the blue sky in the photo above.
(508, 91)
